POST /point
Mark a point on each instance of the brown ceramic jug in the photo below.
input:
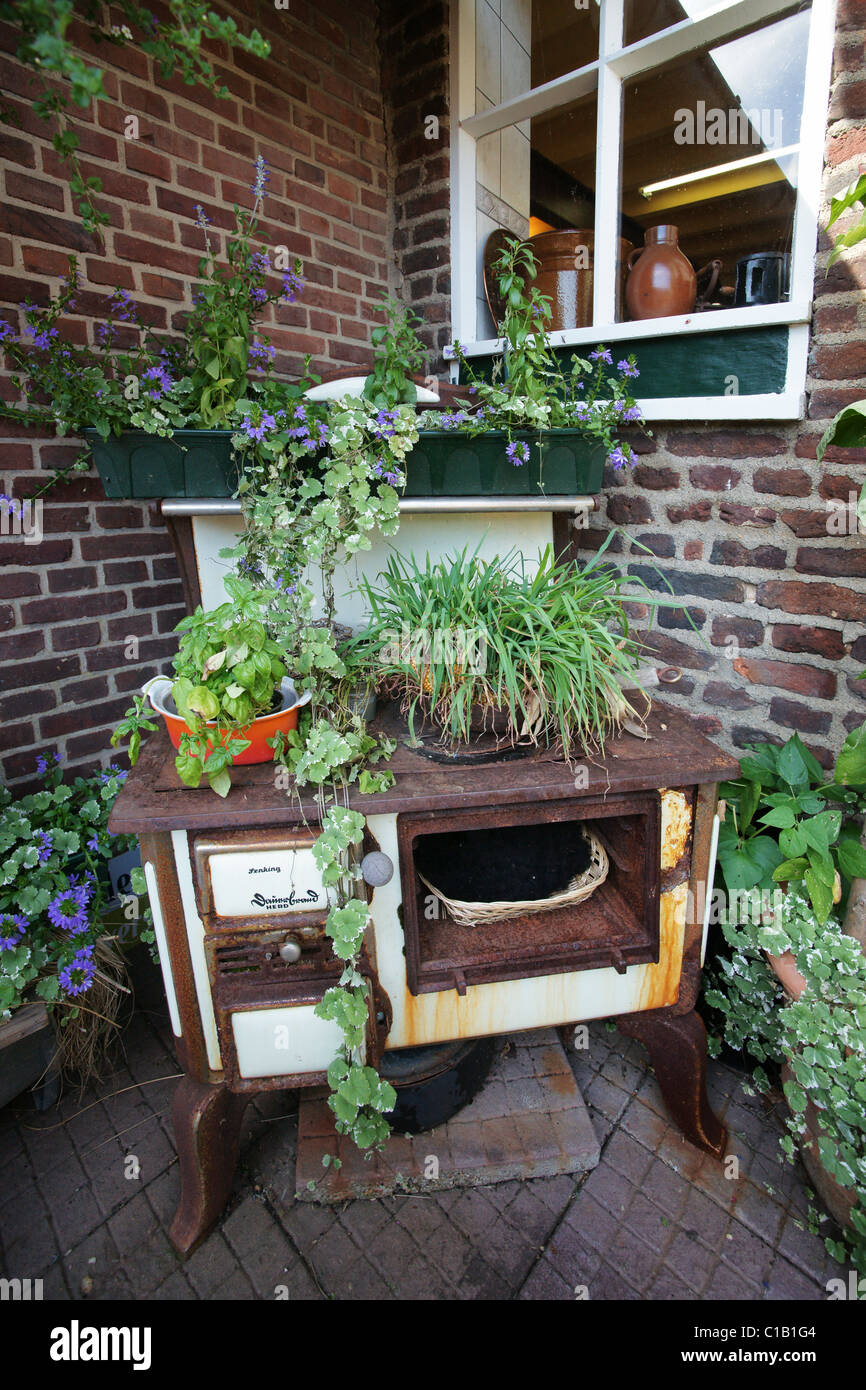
(661, 280)
(565, 275)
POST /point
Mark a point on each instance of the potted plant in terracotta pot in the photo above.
(231, 694)
(534, 427)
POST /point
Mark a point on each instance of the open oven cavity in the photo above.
(529, 853)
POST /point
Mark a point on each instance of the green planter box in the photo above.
(191, 463)
(446, 464)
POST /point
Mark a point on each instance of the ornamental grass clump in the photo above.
(466, 642)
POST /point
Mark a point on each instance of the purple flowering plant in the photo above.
(532, 387)
(54, 885)
(217, 373)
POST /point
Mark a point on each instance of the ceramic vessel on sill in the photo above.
(158, 691)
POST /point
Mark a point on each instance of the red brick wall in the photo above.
(415, 80)
(737, 515)
(105, 572)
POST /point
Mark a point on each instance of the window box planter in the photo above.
(28, 1048)
(189, 463)
(445, 463)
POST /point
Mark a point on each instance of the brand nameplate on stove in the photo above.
(266, 882)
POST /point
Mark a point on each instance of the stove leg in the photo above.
(207, 1121)
(677, 1046)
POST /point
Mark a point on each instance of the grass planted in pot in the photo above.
(465, 637)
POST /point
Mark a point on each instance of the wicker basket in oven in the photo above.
(467, 914)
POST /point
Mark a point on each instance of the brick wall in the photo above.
(737, 515)
(105, 572)
(415, 82)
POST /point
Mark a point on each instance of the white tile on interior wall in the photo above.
(487, 50)
(515, 170)
(517, 14)
(516, 67)
(487, 152)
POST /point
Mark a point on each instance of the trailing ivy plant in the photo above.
(822, 1036)
(314, 488)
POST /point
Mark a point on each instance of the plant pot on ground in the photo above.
(28, 1056)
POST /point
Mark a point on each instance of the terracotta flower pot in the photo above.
(789, 977)
(266, 726)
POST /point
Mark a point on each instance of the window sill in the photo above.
(728, 364)
(713, 321)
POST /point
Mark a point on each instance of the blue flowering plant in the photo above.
(531, 388)
(54, 887)
(217, 375)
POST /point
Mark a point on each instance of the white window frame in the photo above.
(614, 65)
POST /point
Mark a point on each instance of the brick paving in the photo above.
(89, 1189)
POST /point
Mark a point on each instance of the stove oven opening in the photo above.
(524, 855)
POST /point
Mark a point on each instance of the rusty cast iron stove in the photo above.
(240, 914)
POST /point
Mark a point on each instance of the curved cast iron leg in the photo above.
(207, 1122)
(677, 1046)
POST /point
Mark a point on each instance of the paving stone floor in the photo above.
(88, 1191)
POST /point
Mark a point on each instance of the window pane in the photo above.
(564, 38)
(645, 17)
(521, 44)
(534, 178)
(699, 137)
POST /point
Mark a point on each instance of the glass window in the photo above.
(701, 155)
(536, 180)
(709, 152)
(646, 17)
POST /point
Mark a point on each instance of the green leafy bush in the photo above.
(54, 883)
(787, 823)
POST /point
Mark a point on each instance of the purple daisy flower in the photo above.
(161, 380)
(619, 458)
(12, 928)
(69, 910)
(77, 977)
(258, 431)
(518, 453)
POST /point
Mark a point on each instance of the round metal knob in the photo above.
(290, 951)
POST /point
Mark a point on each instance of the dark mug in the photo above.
(762, 278)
